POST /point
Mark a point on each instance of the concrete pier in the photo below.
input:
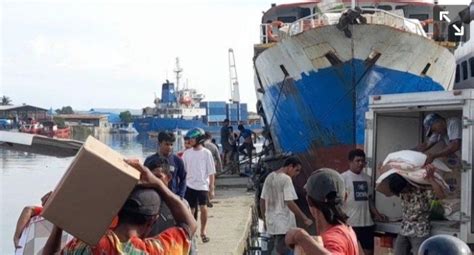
(229, 219)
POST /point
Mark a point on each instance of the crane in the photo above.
(234, 83)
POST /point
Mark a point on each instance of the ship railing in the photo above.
(373, 16)
(392, 19)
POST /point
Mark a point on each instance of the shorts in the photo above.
(196, 197)
(276, 245)
(365, 235)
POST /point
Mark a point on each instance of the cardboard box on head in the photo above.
(91, 192)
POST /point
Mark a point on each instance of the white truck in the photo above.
(395, 122)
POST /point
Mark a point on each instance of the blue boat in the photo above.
(315, 71)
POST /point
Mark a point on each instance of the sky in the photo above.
(116, 53)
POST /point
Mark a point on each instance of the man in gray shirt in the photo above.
(215, 152)
(439, 129)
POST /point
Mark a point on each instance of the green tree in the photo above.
(126, 117)
(6, 101)
(65, 110)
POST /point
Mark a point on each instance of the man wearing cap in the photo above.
(439, 129)
(136, 218)
(325, 195)
(166, 141)
(160, 168)
(277, 204)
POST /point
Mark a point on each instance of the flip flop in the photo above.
(205, 239)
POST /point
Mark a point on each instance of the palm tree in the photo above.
(6, 101)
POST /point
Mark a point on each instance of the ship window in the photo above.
(464, 70)
(287, 19)
(471, 65)
(385, 7)
(419, 16)
(458, 75)
(304, 12)
(368, 7)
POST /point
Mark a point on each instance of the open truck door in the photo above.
(395, 122)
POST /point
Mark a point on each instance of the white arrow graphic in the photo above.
(459, 31)
(444, 15)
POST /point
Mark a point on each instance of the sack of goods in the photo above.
(409, 165)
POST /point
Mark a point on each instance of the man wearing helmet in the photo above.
(439, 129)
(444, 244)
(200, 167)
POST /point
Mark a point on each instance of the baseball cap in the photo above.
(429, 120)
(324, 182)
(143, 201)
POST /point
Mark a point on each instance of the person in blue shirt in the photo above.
(246, 147)
(166, 141)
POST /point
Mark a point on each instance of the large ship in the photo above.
(184, 108)
(317, 64)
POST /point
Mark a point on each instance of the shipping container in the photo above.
(243, 112)
(213, 104)
(216, 118)
(216, 111)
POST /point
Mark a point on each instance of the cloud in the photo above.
(90, 45)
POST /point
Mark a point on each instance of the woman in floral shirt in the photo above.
(415, 204)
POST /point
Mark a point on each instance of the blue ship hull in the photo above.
(317, 111)
(153, 124)
(332, 112)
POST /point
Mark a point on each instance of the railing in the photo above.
(418, 28)
(378, 16)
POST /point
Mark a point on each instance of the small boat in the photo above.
(39, 144)
(31, 128)
(123, 128)
(51, 129)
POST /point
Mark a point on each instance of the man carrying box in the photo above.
(439, 129)
(166, 141)
(136, 218)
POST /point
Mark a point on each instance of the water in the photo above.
(26, 177)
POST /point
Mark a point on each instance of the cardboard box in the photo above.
(91, 192)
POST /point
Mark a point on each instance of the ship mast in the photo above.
(178, 71)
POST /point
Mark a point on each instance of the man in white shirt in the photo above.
(439, 129)
(277, 204)
(200, 168)
(359, 205)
